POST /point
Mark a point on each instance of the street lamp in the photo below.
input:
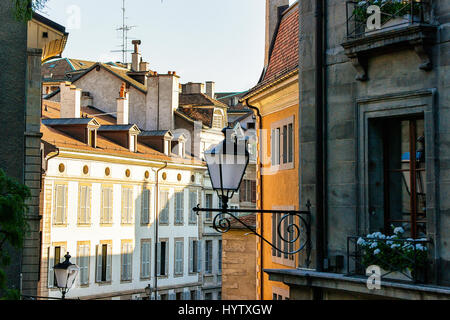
(226, 164)
(148, 291)
(66, 273)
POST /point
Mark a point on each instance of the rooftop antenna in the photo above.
(125, 29)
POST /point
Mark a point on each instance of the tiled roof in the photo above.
(249, 220)
(59, 68)
(284, 56)
(199, 100)
(57, 138)
(204, 115)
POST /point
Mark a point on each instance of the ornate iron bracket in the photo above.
(291, 231)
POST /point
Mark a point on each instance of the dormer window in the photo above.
(92, 137)
(133, 143)
(167, 147)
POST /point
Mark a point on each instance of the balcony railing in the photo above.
(398, 259)
(393, 14)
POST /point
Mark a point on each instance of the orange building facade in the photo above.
(277, 99)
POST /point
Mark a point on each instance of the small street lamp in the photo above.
(148, 291)
(227, 163)
(66, 273)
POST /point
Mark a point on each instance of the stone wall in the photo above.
(238, 266)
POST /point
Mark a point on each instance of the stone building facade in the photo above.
(385, 98)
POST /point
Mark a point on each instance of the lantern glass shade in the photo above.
(66, 275)
(227, 163)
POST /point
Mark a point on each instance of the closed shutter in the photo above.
(145, 206)
(129, 261)
(191, 256)
(199, 295)
(167, 259)
(199, 256)
(158, 259)
(88, 205)
(253, 196)
(187, 295)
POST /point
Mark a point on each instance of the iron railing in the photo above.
(398, 259)
(394, 14)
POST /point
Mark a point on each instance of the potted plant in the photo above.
(399, 258)
(394, 13)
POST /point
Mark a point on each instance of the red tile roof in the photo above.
(284, 57)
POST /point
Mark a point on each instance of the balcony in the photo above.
(381, 26)
(398, 260)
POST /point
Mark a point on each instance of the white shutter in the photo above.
(167, 259)
(98, 254)
(158, 259)
(172, 296)
(51, 263)
(88, 205)
(108, 263)
(191, 255)
(187, 295)
(129, 262)
(199, 295)
(199, 256)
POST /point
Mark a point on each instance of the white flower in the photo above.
(374, 245)
(399, 230)
(376, 251)
(361, 242)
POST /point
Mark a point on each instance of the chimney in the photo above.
(191, 87)
(162, 101)
(274, 9)
(123, 106)
(70, 100)
(144, 66)
(211, 89)
(136, 56)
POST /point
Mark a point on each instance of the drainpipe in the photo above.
(155, 280)
(320, 138)
(261, 196)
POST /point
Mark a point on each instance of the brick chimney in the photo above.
(70, 100)
(274, 9)
(123, 106)
(136, 56)
(211, 89)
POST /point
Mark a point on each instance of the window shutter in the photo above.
(199, 256)
(103, 207)
(108, 263)
(130, 261)
(172, 296)
(51, 263)
(158, 259)
(253, 192)
(187, 295)
(191, 256)
(199, 295)
(167, 259)
(88, 205)
(272, 147)
(98, 254)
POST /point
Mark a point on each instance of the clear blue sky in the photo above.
(202, 40)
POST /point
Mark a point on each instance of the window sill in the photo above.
(104, 283)
(60, 225)
(106, 225)
(84, 225)
(126, 281)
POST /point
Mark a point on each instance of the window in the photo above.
(220, 256)
(397, 175)
(179, 296)
(279, 293)
(282, 143)
(83, 255)
(163, 258)
(287, 246)
(193, 295)
(179, 253)
(107, 206)
(60, 211)
(104, 259)
(126, 260)
(84, 205)
(194, 256)
(208, 296)
(133, 143)
(146, 251)
(145, 212)
(218, 122)
(247, 192)
(127, 205)
(208, 256)
(192, 204)
(209, 204)
(179, 207)
(164, 207)
(92, 138)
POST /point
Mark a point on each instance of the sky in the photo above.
(202, 40)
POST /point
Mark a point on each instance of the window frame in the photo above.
(149, 206)
(126, 252)
(176, 209)
(107, 259)
(130, 214)
(64, 222)
(81, 248)
(177, 259)
(281, 155)
(142, 275)
(164, 209)
(107, 222)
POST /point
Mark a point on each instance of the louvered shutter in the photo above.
(98, 254)
(199, 295)
(51, 264)
(191, 256)
(253, 197)
(187, 295)
(172, 296)
(88, 205)
(109, 263)
(167, 260)
(158, 259)
(199, 256)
